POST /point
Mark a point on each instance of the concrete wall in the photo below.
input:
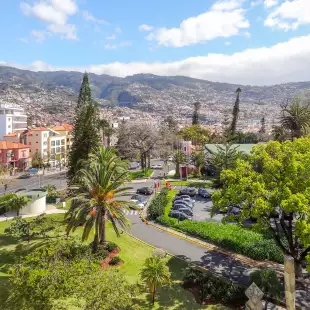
(36, 206)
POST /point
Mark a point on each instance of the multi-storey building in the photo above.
(14, 155)
(12, 118)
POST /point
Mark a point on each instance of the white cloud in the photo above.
(117, 45)
(289, 15)
(270, 3)
(67, 31)
(111, 37)
(39, 35)
(283, 62)
(227, 43)
(89, 17)
(118, 30)
(145, 27)
(55, 13)
(24, 40)
(224, 19)
(256, 2)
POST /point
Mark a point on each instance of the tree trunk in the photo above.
(149, 160)
(153, 293)
(103, 237)
(109, 140)
(95, 243)
(298, 269)
(177, 169)
(17, 213)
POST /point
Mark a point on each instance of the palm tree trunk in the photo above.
(153, 293)
(103, 237)
(95, 243)
(109, 140)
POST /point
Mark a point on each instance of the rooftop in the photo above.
(65, 127)
(7, 145)
(244, 148)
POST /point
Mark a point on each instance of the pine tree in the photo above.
(195, 119)
(235, 113)
(86, 129)
(263, 125)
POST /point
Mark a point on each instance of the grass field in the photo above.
(191, 183)
(133, 253)
(139, 174)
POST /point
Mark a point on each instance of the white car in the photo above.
(139, 204)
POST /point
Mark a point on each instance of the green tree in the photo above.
(178, 158)
(273, 187)
(100, 184)
(37, 160)
(279, 133)
(23, 229)
(195, 119)
(266, 279)
(235, 113)
(296, 118)
(13, 202)
(197, 134)
(86, 129)
(198, 160)
(262, 125)
(243, 138)
(154, 273)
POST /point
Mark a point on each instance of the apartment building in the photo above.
(14, 155)
(12, 119)
(65, 131)
(51, 144)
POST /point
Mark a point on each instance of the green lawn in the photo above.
(139, 174)
(133, 253)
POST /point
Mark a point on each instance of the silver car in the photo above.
(184, 203)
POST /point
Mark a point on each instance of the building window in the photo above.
(58, 142)
(29, 143)
(9, 126)
(63, 142)
(37, 135)
(45, 136)
(37, 142)
(57, 149)
(53, 151)
(9, 118)
(68, 140)
(45, 143)
(52, 143)
(23, 154)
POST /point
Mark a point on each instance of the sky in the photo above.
(256, 42)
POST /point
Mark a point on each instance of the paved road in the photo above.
(58, 179)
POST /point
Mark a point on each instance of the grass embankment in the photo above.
(140, 174)
(228, 236)
(133, 253)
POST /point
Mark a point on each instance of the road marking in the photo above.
(131, 212)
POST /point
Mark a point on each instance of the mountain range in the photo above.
(56, 92)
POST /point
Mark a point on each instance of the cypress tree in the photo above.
(86, 129)
(235, 113)
(263, 125)
(195, 119)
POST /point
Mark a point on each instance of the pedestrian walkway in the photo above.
(131, 212)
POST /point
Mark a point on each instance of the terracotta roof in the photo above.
(66, 127)
(13, 134)
(39, 129)
(6, 145)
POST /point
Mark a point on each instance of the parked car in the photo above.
(180, 215)
(181, 206)
(157, 166)
(25, 176)
(182, 197)
(188, 191)
(234, 210)
(134, 165)
(145, 191)
(187, 211)
(139, 198)
(170, 158)
(184, 202)
(138, 204)
(204, 193)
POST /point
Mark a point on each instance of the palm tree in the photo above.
(155, 272)
(100, 184)
(107, 130)
(13, 202)
(279, 133)
(178, 158)
(296, 118)
(198, 159)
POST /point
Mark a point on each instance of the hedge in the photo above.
(230, 237)
(158, 205)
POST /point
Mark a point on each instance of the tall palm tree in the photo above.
(107, 130)
(155, 272)
(13, 202)
(178, 158)
(100, 183)
(296, 118)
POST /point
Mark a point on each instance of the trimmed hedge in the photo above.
(158, 205)
(230, 237)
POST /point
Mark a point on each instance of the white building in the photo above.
(12, 118)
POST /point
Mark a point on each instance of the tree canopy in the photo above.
(195, 133)
(272, 186)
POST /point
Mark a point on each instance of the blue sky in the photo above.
(231, 40)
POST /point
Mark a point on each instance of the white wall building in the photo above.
(12, 118)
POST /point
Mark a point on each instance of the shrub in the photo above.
(214, 288)
(231, 237)
(111, 246)
(115, 260)
(158, 204)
